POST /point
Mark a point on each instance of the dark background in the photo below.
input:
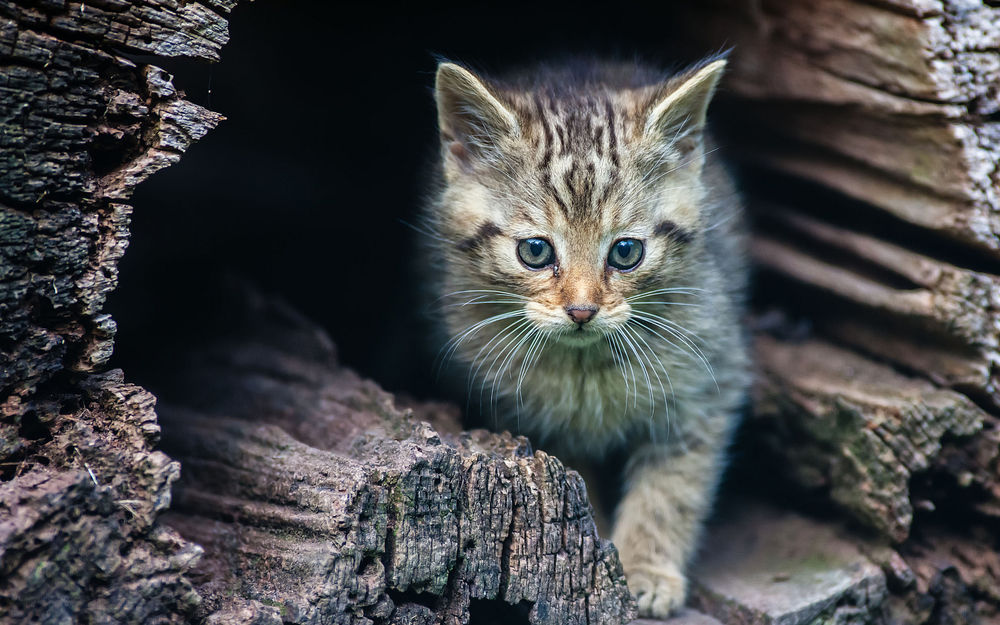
(328, 141)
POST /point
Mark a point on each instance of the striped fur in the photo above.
(583, 156)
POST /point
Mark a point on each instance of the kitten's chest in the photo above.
(600, 396)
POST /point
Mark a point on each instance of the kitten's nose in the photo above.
(581, 314)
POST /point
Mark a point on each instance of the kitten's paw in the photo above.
(659, 590)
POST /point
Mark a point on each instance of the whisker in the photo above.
(618, 363)
(631, 372)
(681, 332)
(475, 301)
(666, 401)
(527, 363)
(681, 290)
(484, 291)
(644, 302)
(462, 335)
(427, 231)
(693, 350)
(496, 342)
(508, 351)
(645, 373)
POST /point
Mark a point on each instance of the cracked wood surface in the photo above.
(892, 103)
(80, 126)
(81, 486)
(317, 499)
(863, 430)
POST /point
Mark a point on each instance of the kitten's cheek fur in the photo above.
(545, 317)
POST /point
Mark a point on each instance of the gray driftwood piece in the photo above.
(81, 486)
(318, 500)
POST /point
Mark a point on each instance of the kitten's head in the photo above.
(566, 194)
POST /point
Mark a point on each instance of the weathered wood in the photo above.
(772, 566)
(81, 486)
(312, 493)
(776, 567)
(79, 127)
(316, 497)
(863, 431)
(889, 406)
(79, 536)
(887, 102)
(921, 313)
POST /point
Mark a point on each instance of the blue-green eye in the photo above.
(625, 254)
(536, 253)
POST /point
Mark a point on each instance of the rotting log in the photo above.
(890, 102)
(317, 499)
(919, 312)
(81, 485)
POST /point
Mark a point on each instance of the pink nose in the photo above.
(581, 314)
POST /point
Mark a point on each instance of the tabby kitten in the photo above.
(590, 260)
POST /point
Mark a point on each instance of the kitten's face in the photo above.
(565, 213)
(576, 269)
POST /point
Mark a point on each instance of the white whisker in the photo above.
(693, 350)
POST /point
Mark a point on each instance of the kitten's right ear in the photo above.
(470, 117)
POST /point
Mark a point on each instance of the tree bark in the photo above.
(889, 103)
(868, 136)
(81, 485)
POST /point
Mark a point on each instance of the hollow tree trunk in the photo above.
(367, 510)
(289, 512)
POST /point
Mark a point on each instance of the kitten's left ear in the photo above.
(471, 118)
(679, 116)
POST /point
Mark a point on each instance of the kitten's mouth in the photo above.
(579, 336)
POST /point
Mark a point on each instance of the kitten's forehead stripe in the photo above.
(580, 174)
(672, 230)
(486, 231)
(612, 135)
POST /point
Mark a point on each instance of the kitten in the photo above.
(589, 256)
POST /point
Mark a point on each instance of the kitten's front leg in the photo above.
(669, 492)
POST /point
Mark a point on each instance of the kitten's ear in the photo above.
(679, 115)
(470, 117)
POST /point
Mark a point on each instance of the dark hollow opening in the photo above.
(304, 189)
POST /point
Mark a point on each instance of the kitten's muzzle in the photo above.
(581, 314)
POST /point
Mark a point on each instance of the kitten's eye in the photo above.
(536, 253)
(625, 254)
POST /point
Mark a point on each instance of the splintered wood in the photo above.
(81, 484)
